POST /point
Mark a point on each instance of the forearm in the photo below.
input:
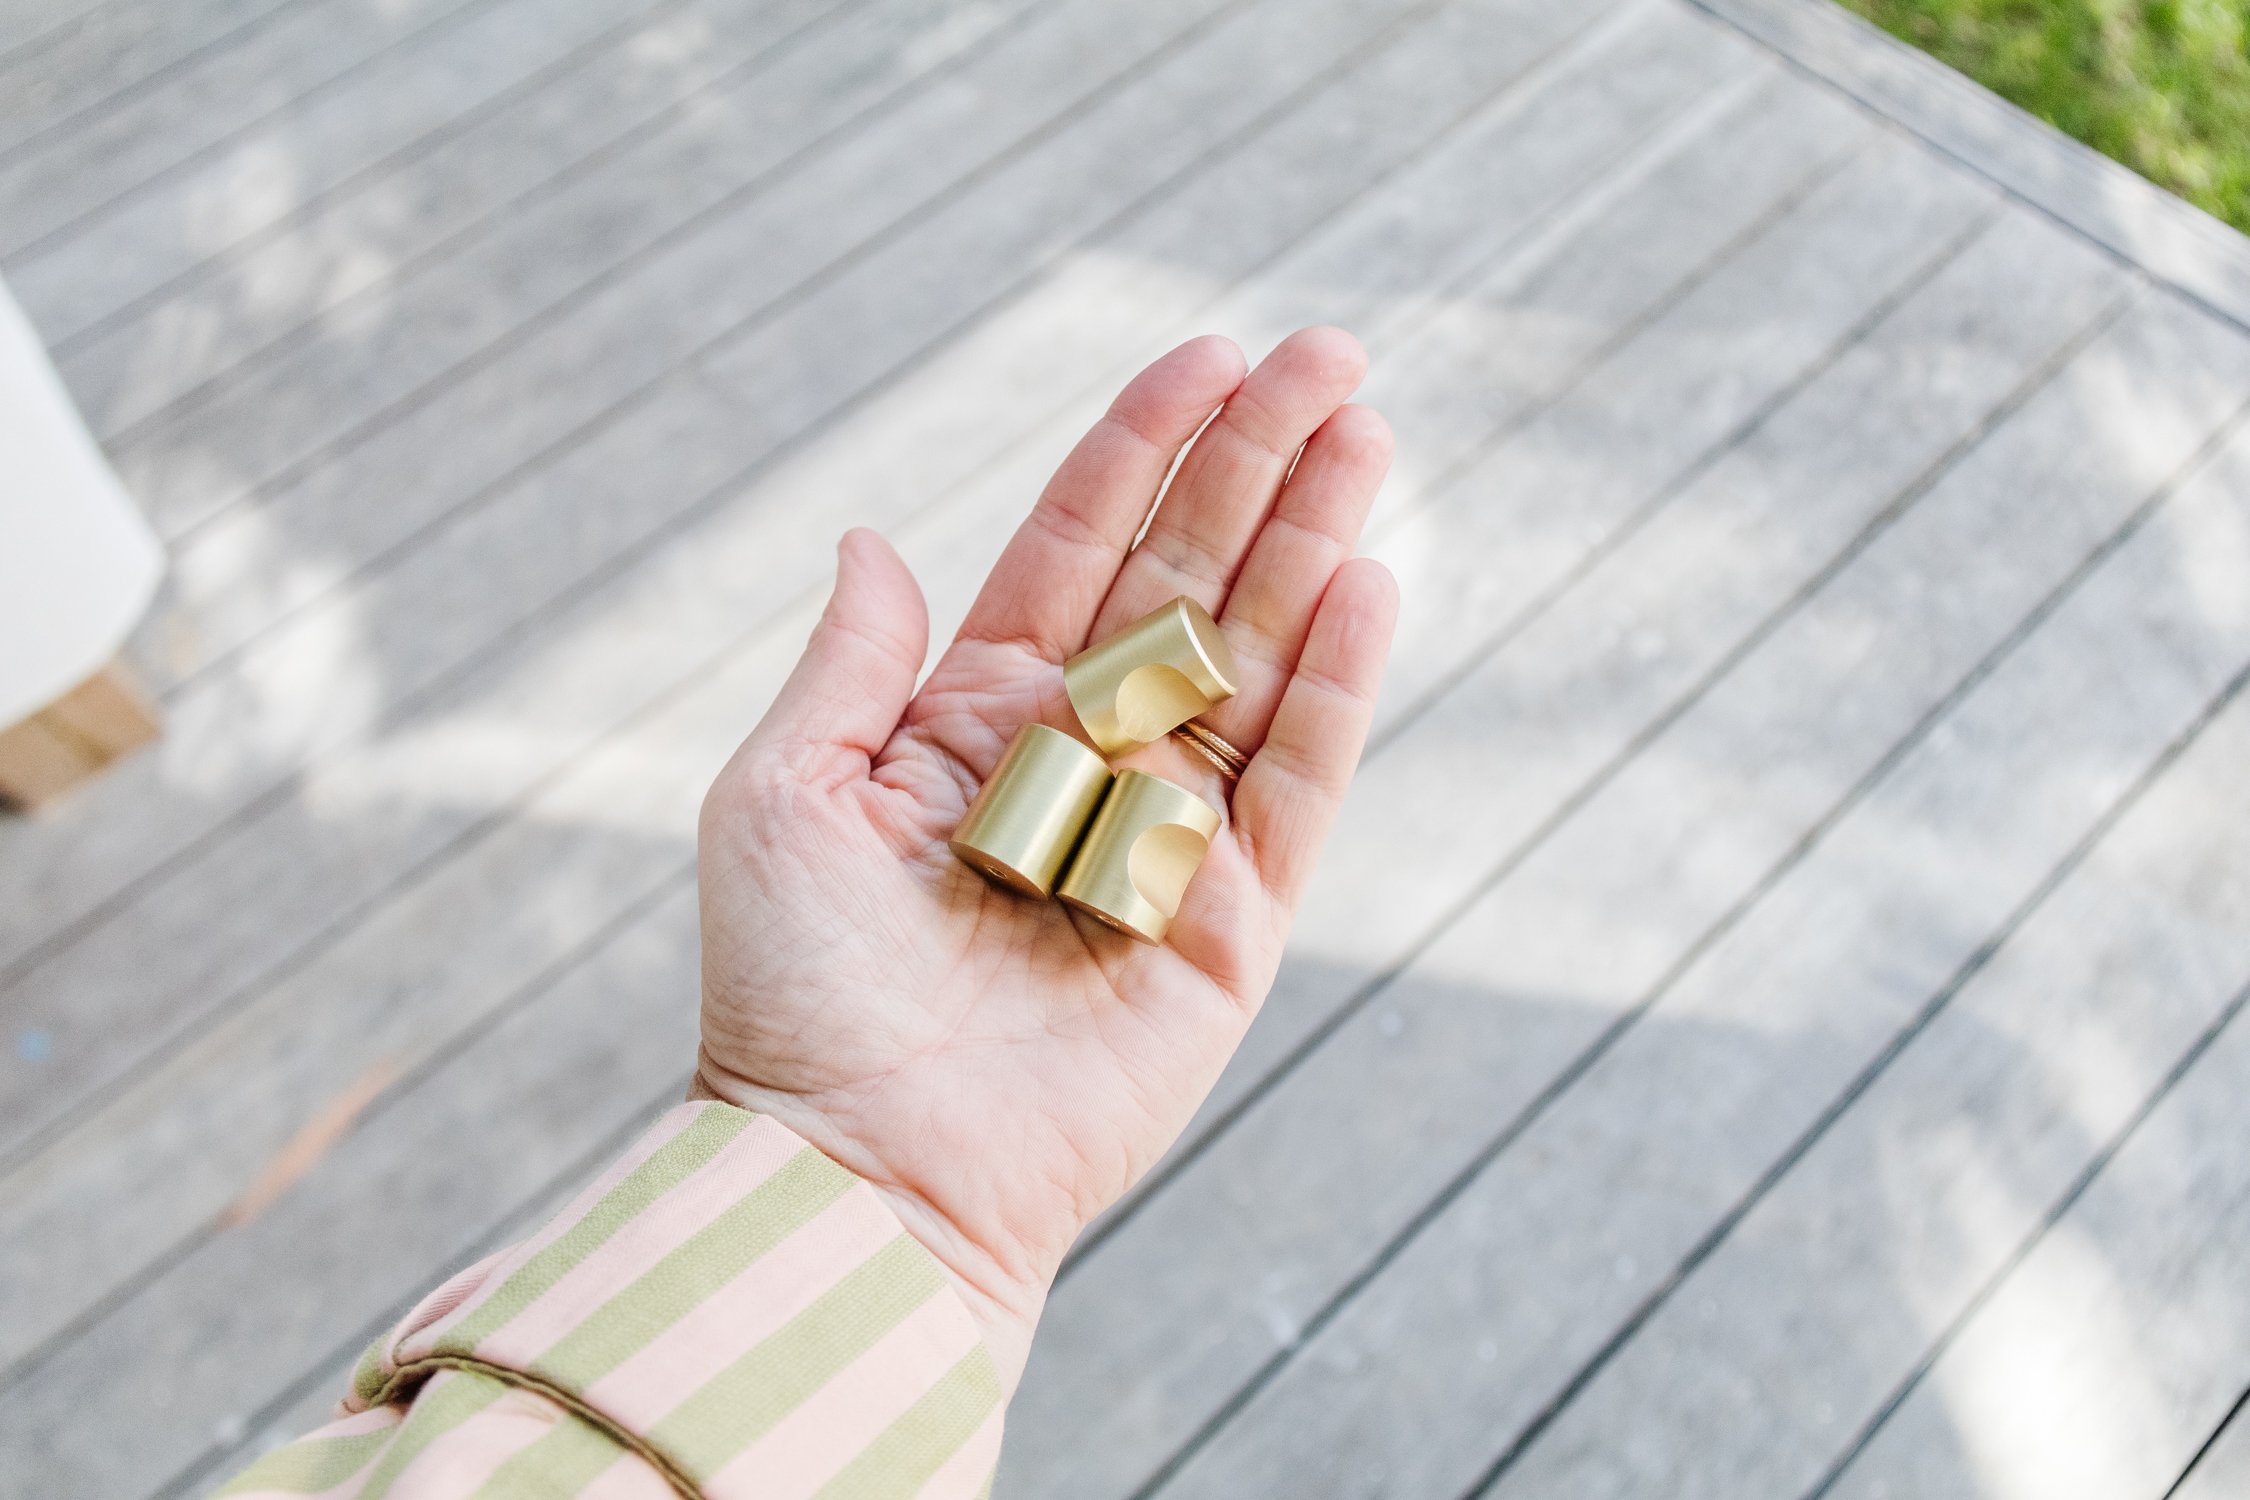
(726, 1312)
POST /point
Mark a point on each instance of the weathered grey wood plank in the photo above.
(58, 65)
(241, 752)
(1757, 1371)
(49, 185)
(379, 116)
(2106, 1358)
(490, 910)
(183, 333)
(2223, 1471)
(1590, 927)
(1801, 296)
(606, 286)
(170, 1371)
(2165, 235)
(29, 25)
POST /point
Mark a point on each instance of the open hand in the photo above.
(1000, 1068)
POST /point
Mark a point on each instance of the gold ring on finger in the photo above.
(1205, 742)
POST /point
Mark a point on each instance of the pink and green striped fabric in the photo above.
(725, 1313)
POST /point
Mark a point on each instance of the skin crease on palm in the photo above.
(1002, 1069)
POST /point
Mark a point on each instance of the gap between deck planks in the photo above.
(111, 51)
(284, 1014)
(2221, 1470)
(31, 26)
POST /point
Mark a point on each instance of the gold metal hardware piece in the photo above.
(1138, 857)
(1027, 817)
(1150, 677)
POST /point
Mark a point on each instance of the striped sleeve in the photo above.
(725, 1313)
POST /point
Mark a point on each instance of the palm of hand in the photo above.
(1001, 1068)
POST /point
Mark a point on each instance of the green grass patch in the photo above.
(2160, 85)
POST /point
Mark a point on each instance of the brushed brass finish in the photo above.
(1144, 847)
(1152, 676)
(1027, 817)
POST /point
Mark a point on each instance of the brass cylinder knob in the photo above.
(1028, 815)
(1152, 676)
(1144, 847)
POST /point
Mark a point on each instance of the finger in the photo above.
(1055, 571)
(1314, 526)
(851, 685)
(1229, 479)
(1288, 797)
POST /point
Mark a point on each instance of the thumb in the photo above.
(857, 674)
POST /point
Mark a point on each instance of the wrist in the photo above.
(1005, 1303)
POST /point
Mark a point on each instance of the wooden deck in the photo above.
(1769, 1026)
